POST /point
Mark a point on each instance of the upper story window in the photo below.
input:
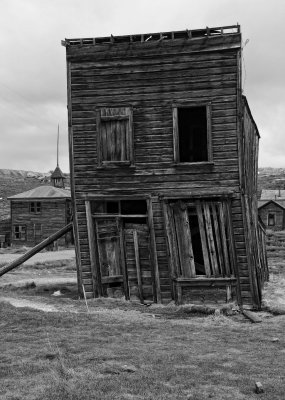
(35, 207)
(115, 136)
(271, 219)
(192, 133)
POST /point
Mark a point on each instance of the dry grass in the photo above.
(56, 356)
(274, 290)
(127, 351)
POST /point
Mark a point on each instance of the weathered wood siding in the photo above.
(272, 208)
(150, 78)
(249, 141)
(53, 216)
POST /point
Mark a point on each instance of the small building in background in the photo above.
(38, 213)
(271, 209)
(5, 232)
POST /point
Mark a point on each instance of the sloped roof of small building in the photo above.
(272, 194)
(43, 192)
(280, 203)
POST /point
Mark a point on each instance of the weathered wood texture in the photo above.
(151, 78)
(53, 216)
(249, 140)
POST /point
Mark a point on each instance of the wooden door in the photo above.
(108, 243)
(138, 264)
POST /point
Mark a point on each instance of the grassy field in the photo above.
(119, 350)
(121, 353)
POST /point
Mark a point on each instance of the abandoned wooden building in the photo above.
(271, 209)
(164, 151)
(40, 212)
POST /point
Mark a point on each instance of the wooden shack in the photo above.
(38, 213)
(271, 209)
(163, 152)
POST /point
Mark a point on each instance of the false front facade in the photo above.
(163, 152)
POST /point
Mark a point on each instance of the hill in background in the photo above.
(14, 182)
(271, 178)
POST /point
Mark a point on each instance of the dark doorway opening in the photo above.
(196, 242)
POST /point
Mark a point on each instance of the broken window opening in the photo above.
(192, 136)
(120, 207)
(199, 238)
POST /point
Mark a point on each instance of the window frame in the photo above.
(176, 155)
(129, 137)
(22, 230)
(35, 207)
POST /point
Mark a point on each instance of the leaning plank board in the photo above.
(36, 249)
(252, 316)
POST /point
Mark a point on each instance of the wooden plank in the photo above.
(184, 241)
(203, 239)
(72, 183)
(123, 259)
(218, 238)
(16, 263)
(93, 251)
(251, 316)
(173, 258)
(138, 268)
(174, 266)
(210, 238)
(153, 252)
(109, 118)
(232, 248)
(227, 262)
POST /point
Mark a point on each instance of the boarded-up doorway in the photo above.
(123, 257)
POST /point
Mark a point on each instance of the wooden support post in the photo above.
(173, 258)
(138, 268)
(153, 251)
(123, 260)
(94, 258)
(179, 293)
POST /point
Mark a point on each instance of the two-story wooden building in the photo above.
(163, 152)
(38, 213)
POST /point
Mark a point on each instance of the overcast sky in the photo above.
(33, 71)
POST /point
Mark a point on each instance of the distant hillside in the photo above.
(271, 178)
(14, 182)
